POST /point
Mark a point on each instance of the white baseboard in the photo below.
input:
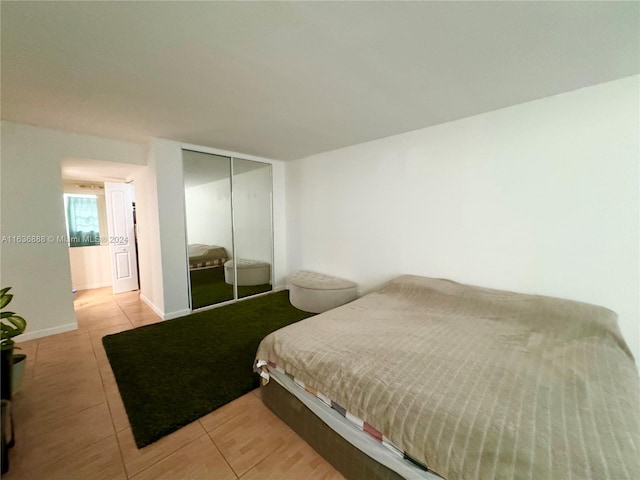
(177, 314)
(152, 306)
(160, 313)
(24, 337)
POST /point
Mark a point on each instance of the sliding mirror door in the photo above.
(252, 223)
(207, 192)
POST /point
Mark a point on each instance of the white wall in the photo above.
(148, 236)
(537, 198)
(161, 230)
(280, 267)
(32, 205)
(90, 267)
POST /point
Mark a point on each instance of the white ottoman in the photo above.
(317, 293)
(250, 272)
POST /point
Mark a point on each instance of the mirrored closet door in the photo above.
(229, 227)
(252, 226)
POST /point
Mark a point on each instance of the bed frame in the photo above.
(346, 458)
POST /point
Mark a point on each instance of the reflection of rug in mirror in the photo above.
(172, 373)
(208, 287)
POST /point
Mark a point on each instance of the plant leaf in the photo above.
(5, 297)
(19, 325)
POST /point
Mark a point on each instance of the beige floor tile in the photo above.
(106, 309)
(116, 407)
(225, 413)
(64, 344)
(145, 320)
(136, 460)
(294, 459)
(97, 334)
(76, 364)
(98, 348)
(94, 292)
(104, 301)
(53, 352)
(136, 309)
(95, 320)
(99, 322)
(28, 343)
(142, 316)
(46, 443)
(258, 393)
(130, 304)
(198, 460)
(129, 300)
(52, 398)
(93, 297)
(97, 461)
(28, 348)
(248, 438)
(132, 315)
(104, 366)
(59, 338)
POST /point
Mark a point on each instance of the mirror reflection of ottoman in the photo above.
(317, 292)
(250, 272)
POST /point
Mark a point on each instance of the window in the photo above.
(82, 220)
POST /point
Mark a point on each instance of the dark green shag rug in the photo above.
(172, 373)
(208, 287)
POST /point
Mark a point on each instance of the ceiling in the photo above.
(90, 170)
(288, 79)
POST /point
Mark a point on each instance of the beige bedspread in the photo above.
(477, 383)
(206, 255)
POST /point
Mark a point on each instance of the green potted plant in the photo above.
(12, 325)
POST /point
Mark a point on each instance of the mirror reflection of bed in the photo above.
(206, 272)
(214, 263)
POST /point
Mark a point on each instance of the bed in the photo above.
(457, 381)
(206, 256)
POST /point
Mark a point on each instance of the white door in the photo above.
(124, 264)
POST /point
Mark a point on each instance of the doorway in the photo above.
(99, 199)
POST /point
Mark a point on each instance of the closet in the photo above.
(228, 214)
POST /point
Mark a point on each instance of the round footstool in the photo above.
(250, 272)
(317, 293)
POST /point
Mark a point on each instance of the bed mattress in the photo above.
(476, 383)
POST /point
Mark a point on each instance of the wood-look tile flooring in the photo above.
(70, 422)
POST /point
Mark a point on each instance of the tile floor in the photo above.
(71, 423)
